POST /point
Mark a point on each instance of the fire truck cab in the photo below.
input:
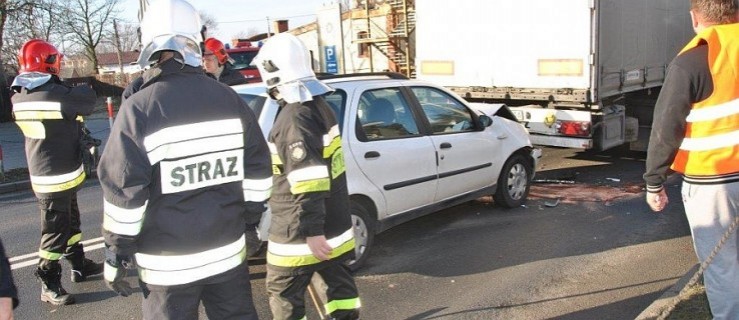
(242, 53)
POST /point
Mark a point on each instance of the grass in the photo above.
(693, 305)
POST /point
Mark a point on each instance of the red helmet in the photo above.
(216, 46)
(40, 56)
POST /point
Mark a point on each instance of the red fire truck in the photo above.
(242, 53)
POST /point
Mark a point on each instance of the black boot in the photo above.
(81, 266)
(51, 285)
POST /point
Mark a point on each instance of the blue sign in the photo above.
(332, 66)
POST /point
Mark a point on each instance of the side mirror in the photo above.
(485, 121)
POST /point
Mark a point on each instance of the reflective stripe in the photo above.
(196, 138)
(109, 272)
(295, 255)
(173, 270)
(332, 134)
(32, 129)
(201, 145)
(38, 115)
(257, 189)
(712, 142)
(37, 106)
(309, 259)
(311, 186)
(714, 112)
(57, 179)
(121, 220)
(74, 239)
(48, 255)
(50, 184)
(337, 163)
(332, 147)
(308, 173)
(343, 304)
(287, 249)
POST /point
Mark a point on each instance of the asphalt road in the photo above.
(597, 253)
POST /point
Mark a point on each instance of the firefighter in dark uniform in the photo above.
(185, 170)
(311, 230)
(47, 112)
(217, 62)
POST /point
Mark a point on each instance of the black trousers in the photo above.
(60, 227)
(228, 298)
(287, 292)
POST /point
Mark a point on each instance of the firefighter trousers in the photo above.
(338, 293)
(228, 298)
(60, 228)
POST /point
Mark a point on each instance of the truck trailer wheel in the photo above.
(514, 182)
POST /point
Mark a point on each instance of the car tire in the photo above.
(364, 234)
(514, 182)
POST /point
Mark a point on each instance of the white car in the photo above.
(412, 148)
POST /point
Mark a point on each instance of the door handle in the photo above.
(371, 155)
(445, 145)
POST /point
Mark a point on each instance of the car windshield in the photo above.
(242, 60)
(255, 102)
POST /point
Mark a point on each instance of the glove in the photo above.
(116, 268)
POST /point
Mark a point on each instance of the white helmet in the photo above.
(284, 63)
(171, 25)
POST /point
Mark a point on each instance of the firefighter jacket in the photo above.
(710, 147)
(185, 169)
(48, 116)
(310, 196)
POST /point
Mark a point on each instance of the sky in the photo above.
(234, 16)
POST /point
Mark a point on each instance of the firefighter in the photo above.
(217, 62)
(311, 230)
(185, 169)
(47, 112)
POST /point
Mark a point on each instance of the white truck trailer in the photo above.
(579, 73)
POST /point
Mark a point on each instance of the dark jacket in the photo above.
(185, 169)
(47, 115)
(231, 77)
(7, 286)
(310, 195)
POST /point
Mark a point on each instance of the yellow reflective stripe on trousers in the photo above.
(295, 255)
(181, 269)
(50, 184)
(121, 220)
(311, 186)
(48, 255)
(343, 304)
(74, 239)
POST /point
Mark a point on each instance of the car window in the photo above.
(255, 102)
(445, 113)
(337, 101)
(385, 114)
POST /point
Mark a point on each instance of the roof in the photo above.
(111, 58)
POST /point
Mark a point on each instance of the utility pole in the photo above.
(269, 31)
(118, 45)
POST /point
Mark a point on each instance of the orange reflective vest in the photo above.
(711, 143)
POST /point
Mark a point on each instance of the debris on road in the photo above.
(552, 204)
(614, 179)
(553, 181)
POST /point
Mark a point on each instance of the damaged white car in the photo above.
(412, 148)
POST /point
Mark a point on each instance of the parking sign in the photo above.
(331, 65)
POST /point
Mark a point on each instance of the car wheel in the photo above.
(514, 182)
(364, 234)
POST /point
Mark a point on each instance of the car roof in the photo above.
(340, 81)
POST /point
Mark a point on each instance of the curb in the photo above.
(654, 310)
(15, 186)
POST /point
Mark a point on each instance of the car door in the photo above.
(391, 151)
(465, 152)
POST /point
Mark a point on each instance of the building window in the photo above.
(363, 47)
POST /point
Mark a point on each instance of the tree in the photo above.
(89, 22)
(246, 34)
(25, 20)
(209, 22)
